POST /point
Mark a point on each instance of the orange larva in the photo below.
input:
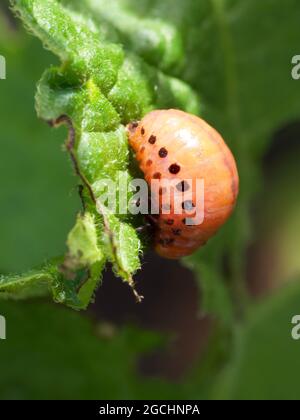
(171, 144)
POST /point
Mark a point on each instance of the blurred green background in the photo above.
(166, 347)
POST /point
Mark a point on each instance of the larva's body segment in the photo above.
(171, 144)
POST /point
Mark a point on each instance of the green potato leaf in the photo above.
(264, 363)
(97, 89)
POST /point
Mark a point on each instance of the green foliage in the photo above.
(95, 90)
(115, 64)
(38, 198)
(71, 281)
(78, 361)
(100, 84)
(264, 361)
(156, 41)
(239, 60)
(32, 284)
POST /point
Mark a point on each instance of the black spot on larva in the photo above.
(188, 205)
(138, 202)
(174, 168)
(142, 131)
(169, 222)
(176, 232)
(149, 162)
(166, 241)
(133, 126)
(152, 139)
(183, 186)
(157, 175)
(163, 152)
